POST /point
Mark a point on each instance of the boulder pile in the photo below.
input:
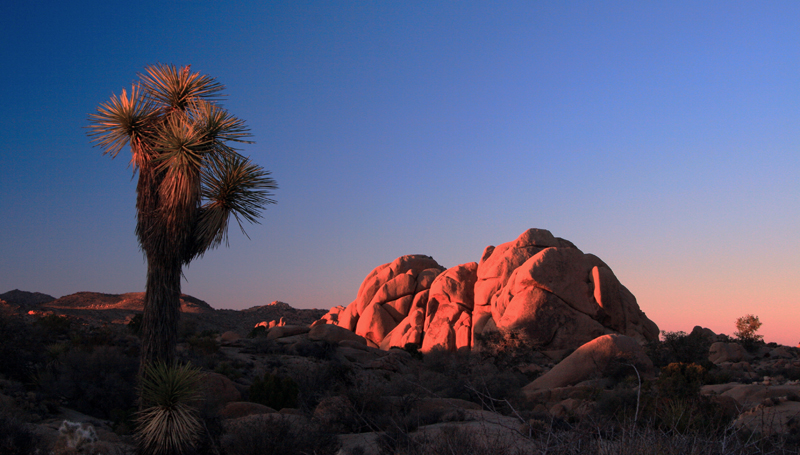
(539, 286)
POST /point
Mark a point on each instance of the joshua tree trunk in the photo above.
(190, 181)
(161, 311)
(163, 240)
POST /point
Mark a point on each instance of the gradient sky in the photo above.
(661, 136)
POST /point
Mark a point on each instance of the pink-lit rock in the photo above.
(538, 285)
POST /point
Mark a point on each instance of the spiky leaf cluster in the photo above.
(191, 178)
(169, 422)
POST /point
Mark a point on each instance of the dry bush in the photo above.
(679, 347)
(20, 348)
(274, 391)
(450, 440)
(317, 380)
(15, 437)
(100, 382)
(471, 377)
(278, 435)
(507, 349)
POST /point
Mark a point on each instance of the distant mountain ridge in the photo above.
(25, 299)
(99, 308)
(129, 301)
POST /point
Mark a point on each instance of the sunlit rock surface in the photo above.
(538, 285)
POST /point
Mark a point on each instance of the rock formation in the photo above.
(538, 285)
(589, 362)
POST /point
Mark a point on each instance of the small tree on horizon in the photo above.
(746, 328)
(191, 180)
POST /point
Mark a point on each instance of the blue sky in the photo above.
(661, 136)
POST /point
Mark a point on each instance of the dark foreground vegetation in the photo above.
(293, 395)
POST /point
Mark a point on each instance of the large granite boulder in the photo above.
(538, 285)
(448, 320)
(720, 352)
(387, 296)
(590, 362)
(559, 296)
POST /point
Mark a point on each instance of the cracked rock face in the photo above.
(538, 285)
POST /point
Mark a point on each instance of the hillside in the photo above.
(98, 308)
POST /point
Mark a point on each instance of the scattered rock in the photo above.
(748, 396)
(283, 331)
(571, 407)
(589, 361)
(720, 352)
(219, 390)
(236, 409)
(229, 337)
(780, 353)
(780, 416)
(703, 332)
(333, 334)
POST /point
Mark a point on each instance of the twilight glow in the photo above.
(661, 137)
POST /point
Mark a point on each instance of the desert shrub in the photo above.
(361, 407)
(213, 430)
(470, 376)
(20, 348)
(442, 361)
(228, 370)
(507, 348)
(75, 438)
(746, 328)
(262, 345)
(449, 440)
(88, 338)
(699, 415)
(623, 370)
(452, 385)
(368, 399)
(100, 382)
(335, 414)
(413, 349)
(53, 326)
(674, 406)
(493, 388)
(315, 381)
(15, 437)
(260, 331)
(274, 391)
(678, 347)
(718, 376)
(204, 343)
(169, 421)
(322, 350)
(135, 324)
(618, 403)
(186, 328)
(681, 380)
(789, 372)
(278, 435)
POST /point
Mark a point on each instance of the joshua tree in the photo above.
(191, 180)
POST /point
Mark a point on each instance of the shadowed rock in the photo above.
(589, 362)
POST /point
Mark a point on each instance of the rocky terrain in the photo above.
(96, 308)
(537, 348)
